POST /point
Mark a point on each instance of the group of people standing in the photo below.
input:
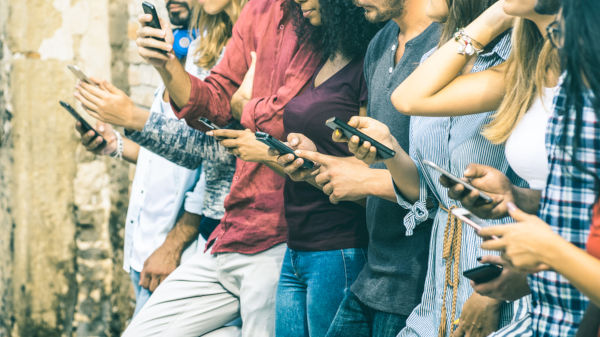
(501, 92)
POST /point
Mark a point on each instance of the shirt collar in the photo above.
(501, 46)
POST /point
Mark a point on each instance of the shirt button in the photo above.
(393, 47)
(281, 27)
(391, 70)
(236, 178)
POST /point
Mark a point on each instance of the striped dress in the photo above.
(453, 143)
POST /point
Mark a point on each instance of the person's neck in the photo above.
(229, 11)
(413, 19)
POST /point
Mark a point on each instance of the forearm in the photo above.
(527, 199)
(130, 150)
(184, 232)
(579, 267)
(177, 82)
(404, 173)
(380, 185)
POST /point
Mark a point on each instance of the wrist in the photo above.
(485, 30)
(138, 120)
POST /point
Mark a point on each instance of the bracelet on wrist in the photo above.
(118, 153)
(467, 45)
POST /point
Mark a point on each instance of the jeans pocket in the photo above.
(354, 261)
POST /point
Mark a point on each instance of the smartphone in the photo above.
(281, 147)
(79, 74)
(84, 124)
(486, 198)
(470, 219)
(208, 123)
(483, 273)
(150, 9)
(383, 152)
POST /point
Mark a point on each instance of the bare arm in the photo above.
(435, 87)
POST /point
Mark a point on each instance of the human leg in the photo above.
(351, 319)
(189, 302)
(290, 305)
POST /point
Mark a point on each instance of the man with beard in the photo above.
(166, 202)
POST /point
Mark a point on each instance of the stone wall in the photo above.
(62, 209)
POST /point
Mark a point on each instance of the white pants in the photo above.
(208, 291)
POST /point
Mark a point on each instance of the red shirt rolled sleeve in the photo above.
(254, 217)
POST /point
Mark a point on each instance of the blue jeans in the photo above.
(311, 287)
(356, 319)
(141, 294)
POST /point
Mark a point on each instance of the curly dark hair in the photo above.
(344, 28)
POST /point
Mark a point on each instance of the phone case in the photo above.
(454, 178)
(483, 273)
(84, 124)
(383, 151)
(281, 147)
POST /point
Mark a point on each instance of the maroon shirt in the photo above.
(254, 219)
(314, 223)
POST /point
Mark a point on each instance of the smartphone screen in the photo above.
(470, 219)
(383, 151)
(84, 124)
(150, 9)
(486, 198)
(281, 147)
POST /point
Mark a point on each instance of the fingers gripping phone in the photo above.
(281, 147)
(483, 273)
(84, 124)
(470, 219)
(383, 152)
(150, 9)
(486, 198)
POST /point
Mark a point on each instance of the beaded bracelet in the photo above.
(119, 151)
(467, 43)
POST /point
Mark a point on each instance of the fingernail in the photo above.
(511, 207)
(101, 128)
(209, 133)
(298, 152)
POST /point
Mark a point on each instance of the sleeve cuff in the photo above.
(418, 210)
(194, 200)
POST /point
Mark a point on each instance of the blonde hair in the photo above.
(532, 59)
(215, 31)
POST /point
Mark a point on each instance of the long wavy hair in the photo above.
(460, 14)
(343, 28)
(580, 58)
(527, 69)
(215, 31)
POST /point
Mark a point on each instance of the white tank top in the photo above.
(526, 147)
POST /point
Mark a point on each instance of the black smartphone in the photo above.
(84, 124)
(281, 147)
(486, 198)
(383, 152)
(150, 9)
(483, 273)
(208, 123)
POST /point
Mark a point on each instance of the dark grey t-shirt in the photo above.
(392, 280)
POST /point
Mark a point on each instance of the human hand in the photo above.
(487, 179)
(244, 92)
(509, 286)
(372, 128)
(480, 317)
(291, 164)
(107, 103)
(92, 141)
(342, 178)
(159, 265)
(243, 144)
(525, 244)
(150, 46)
(494, 21)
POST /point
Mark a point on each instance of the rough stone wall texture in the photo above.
(62, 209)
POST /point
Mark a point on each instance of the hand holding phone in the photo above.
(85, 126)
(209, 124)
(484, 197)
(383, 152)
(150, 9)
(282, 148)
(470, 219)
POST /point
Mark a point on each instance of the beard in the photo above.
(180, 18)
(393, 9)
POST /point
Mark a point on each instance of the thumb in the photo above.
(516, 213)
(493, 259)
(110, 87)
(475, 171)
(314, 156)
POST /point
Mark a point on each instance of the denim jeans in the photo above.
(311, 288)
(141, 294)
(355, 319)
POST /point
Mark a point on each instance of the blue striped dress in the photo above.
(453, 143)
